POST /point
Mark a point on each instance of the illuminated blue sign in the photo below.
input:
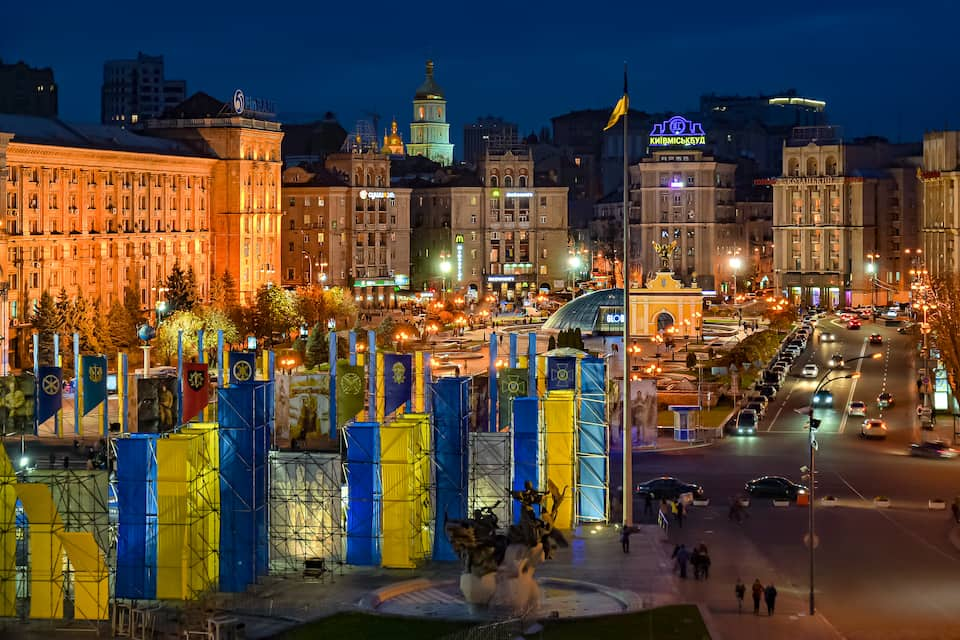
(677, 132)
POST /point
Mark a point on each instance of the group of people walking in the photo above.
(768, 594)
(676, 509)
(699, 558)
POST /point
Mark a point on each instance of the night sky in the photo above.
(884, 67)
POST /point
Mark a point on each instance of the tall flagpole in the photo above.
(627, 444)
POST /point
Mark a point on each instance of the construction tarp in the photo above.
(526, 446)
(172, 534)
(363, 491)
(203, 505)
(490, 473)
(136, 576)
(46, 550)
(8, 537)
(396, 464)
(91, 592)
(592, 443)
(559, 420)
(450, 399)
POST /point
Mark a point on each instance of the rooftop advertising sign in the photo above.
(677, 132)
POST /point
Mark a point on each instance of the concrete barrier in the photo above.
(937, 504)
(781, 503)
(829, 501)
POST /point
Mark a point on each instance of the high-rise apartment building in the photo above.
(346, 226)
(498, 230)
(27, 91)
(135, 90)
(430, 131)
(940, 213)
(485, 134)
(842, 219)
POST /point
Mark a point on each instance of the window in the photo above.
(508, 181)
(543, 201)
(690, 181)
(543, 220)
(290, 273)
(543, 254)
(664, 232)
(290, 247)
(522, 181)
(676, 233)
(473, 219)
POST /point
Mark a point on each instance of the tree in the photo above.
(551, 343)
(181, 289)
(944, 324)
(190, 322)
(46, 319)
(385, 332)
(316, 350)
(315, 304)
(273, 312)
(691, 360)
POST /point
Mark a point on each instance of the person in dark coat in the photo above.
(740, 590)
(757, 593)
(682, 556)
(770, 595)
(647, 505)
(679, 512)
(704, 561)
(696, 559)
(625, 534)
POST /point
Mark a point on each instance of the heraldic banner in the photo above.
(195, 389)
(243, 367)
(94, 389)
(50, 398)
(397, 379)
(512, 384)
(561, 373)
(350, 392)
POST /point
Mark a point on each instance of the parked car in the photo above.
(746, 422)
(873, 428)
(810, 371)
(932, 449)
(668, 487)
(885, 400)
(857, 408)
(768, 391)
(854, 325)
(836, 361)
(827, 336)
(776, 487)
(823, 398)
(760, 408)
(875, 338)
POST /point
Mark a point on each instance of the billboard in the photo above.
(303, 412)
(156, 404)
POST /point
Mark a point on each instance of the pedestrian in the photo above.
(66, 462)
(681, 508)
(704, 561)
(740, 590)
(757, 592)
(647, 505)
(682, 556)
(770, 595)
(625, 538)
(695, 559)
(53, 460)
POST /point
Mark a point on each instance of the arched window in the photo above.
(508, 181)
(664, 321)
(831, 166)
(811, 166)
(379, 179)
(357, 179)
(522, 181)
(494, 181)
(794, 167)
(369, 179)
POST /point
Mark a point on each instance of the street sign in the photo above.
(806, 540)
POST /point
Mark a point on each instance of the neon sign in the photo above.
(459, 241)
(376, 195)
(519, 194)
(677, 132)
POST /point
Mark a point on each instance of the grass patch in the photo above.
(713, 417)
(676, 622)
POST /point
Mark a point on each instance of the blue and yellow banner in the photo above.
(561, 373)
(94, 389)
(350, 392)
(511, 383)
(243, 367)
(49, 392)
(397, 380)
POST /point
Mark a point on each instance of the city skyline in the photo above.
(521, 76)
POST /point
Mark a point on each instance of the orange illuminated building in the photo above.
(93, 209)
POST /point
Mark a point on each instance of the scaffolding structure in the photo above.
(489, 454)
(559, 420)
(592, 445)
(305, 510)
(406, 481)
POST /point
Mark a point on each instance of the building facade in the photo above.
(840, 224)
(27, 91)
(687, 197)
(430, 131)
(940, 210)
(485, 134)
(498, 231)
(347, 227)
(135, 90)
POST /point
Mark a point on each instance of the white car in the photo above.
(873, 428)
(810, 371)
(857, 408)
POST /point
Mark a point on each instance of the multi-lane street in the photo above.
(880, 573)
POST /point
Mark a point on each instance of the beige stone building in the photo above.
(346, 226)
(93, 210)
(686, 196)
(940, 212)
(840, 227)
(498, 230)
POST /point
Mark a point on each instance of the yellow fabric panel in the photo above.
(418, 402)
(396, 480)
(558, 418)
(90, 578)
(381, 408)
(541, 376)
(46, 551)
(423, 478)
(8, 537)
(172, 521)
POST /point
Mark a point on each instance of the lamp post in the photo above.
(872, 270)
(445, 268)
(575, 262)
(812, 442)
(306, 256)
(735, 263)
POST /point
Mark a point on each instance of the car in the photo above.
(854, 325)
(810, 371)
(846, 317)
(875, 338)
(857, 408)
(827, 336)
(836, 361)
(757, 407)
(776, 487)
(768, 391)
(823, 398)
(885, 400)
(746, 422)
(873, 428)
(932, 449)
(668, 488)
(866, 314)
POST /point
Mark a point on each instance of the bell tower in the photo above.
(430, 131)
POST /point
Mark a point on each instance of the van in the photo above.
(746, 422)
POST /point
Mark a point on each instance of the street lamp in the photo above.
(824, 381)
(872, 270)
(735, 263)
(445, 268)
(575, 262)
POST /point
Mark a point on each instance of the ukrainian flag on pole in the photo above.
(623, 105)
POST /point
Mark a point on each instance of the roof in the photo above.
(581, 313)
(199, 105)
(319, 176)
(55, 132)
(429, 90)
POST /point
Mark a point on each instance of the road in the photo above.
(888, 573)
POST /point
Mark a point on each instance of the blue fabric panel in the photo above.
(592, 442)
(363, 489)
(561, 373)
(136, 575)
(526, 445)
(450, 398)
